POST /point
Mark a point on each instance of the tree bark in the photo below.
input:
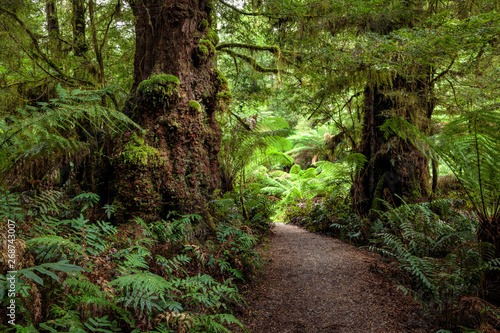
(78, 20)
(52, 20)
(172, 165)
(489, 232)
(396, 170)
(101, 77)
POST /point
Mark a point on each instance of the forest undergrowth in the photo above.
(83, 273)
(431, 251)
(143, 159)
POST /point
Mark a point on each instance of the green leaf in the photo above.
(31, 275)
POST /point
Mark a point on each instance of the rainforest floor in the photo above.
(314, 283)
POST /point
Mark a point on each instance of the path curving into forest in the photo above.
(316, 283)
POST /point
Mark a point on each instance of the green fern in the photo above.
(45, 130)
(86, 293)
(436, 248)
(143, 290)
(10, 207)
(470, 147)
(50, 247)
(61, 265)
(88, 200)
(46, 203)
(102, 325)
(173, 265)
(65, 320)
(310, 143)
(216, 323)
(245, 148)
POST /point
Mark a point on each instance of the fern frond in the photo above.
(49, 247)
(140, 286)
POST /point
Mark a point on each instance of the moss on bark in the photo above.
(173, 166)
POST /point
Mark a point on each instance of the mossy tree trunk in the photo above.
(78, 21)
(172, 165)
(53, 27)
(396, 169)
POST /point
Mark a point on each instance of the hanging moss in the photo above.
(137, 152)
(194, 105)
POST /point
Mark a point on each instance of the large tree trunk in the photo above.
(172, 165)
(396, 170)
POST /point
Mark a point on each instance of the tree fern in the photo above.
(300, 184)
(44, 130)
(310, 143)
(245, 146)
(470, 147)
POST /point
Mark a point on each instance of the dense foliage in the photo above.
(136, 277)
(140, 183)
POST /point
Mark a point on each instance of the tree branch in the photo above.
(272, 49)
(239, 11)
(37, 47)
(251, 61)
(440, 75)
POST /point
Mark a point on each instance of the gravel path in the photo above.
(315, 283)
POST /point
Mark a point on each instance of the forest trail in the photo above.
(316, 283)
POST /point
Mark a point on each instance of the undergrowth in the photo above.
(440, 261)
(76, 274)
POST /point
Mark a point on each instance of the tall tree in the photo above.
(52, 24)
(395, 62)
(79, 9)
(177, 91)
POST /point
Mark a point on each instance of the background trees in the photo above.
(127, 99)
(390, 74)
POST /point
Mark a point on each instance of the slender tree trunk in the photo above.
(78, 20)
(435, 177)
(489, 232)
(172, 165)
(53, 26)
(396, 170)
(101, 78)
